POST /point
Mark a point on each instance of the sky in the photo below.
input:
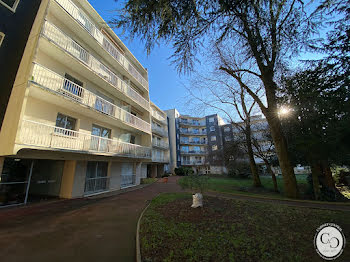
(166, 87)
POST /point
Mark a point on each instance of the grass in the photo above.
(232, 230)
(238, 185)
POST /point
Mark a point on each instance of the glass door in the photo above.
(99, 141)
(96, 177)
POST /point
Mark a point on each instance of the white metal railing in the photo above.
(96, 184)
(182, 141)
(89, 26)
(161, 144)
(159, 130)
(193, 152)
(42, 135)
(69, 45)
(64, 87)
(163, 159)
(192, 162)
(158, 116)
(191, 132)
(127, 180)
(192, 123)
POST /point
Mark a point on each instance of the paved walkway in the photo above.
(98, 229)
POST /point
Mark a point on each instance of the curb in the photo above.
(138, 248)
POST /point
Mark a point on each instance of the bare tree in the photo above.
(229, 97)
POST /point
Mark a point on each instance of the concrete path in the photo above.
(98, 229)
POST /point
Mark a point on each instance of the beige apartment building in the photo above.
(79, 120)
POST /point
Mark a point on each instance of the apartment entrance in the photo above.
(96, 177)
(28, 180)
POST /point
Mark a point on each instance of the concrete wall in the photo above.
(144, 171)
(79, 179)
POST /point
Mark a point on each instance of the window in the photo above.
(212, 128)
(133, 139)
(184, 149)
(196, 149)
(213, 138)
(228, 138)
(214, 147)
(10, 4)
(2, 36)
(67, 123)
(99, 140)
(227, 129)
(211, 119)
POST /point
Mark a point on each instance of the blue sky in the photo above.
(166, 86)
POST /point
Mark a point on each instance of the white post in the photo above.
(28, 183)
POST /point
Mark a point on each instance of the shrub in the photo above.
(340, 174)
(327, 194)
(183, 171)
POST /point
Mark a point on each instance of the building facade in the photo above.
(160, 143)
(78, 116)
(196, 142)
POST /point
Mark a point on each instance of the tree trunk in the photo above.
(289, 180)
(316, 172)
(274, 180)
(328, 174)
(253, 167)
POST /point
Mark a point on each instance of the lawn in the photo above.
(232, 230)
(237, 185)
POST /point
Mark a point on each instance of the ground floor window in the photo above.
(96, 177)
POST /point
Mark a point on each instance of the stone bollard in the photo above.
(197, 200)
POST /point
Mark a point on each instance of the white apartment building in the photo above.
(78, 121)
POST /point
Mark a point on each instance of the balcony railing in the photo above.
(83, 20)
(193, 152)
(159, 130)
(158, 116)
(193, 142)
(196, 163)
(192, 123)
(127, 180)
(161, 144)
(96, 184)
(162, 159)
(191, 132)
(47, 136)
(55, 35)
(64, 87)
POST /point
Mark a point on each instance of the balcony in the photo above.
(191, 123)
(192, 163)
(51, 137)
(159, 117)
(187, 142)
(56, 36)
(191, 132)
(160, 159)
(193, 152)
(159, 130)
(54, 82)
(160, 144)
(82, 19)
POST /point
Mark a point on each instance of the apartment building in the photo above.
(160, 143)
(78, 117)
(259, 133)
(196, 142)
